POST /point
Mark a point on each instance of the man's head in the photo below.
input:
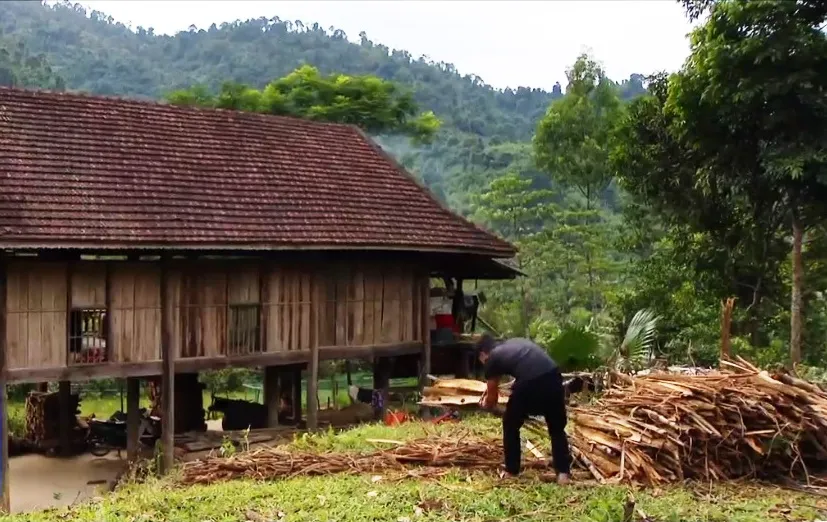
(484, 347)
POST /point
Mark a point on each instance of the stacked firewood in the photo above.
(43, 416)
(668, 427)
(665, 427)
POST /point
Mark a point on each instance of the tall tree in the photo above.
(377, 106)
(572, 145)
(751, 101)
(517, 211)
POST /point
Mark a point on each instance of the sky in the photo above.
(507, 44)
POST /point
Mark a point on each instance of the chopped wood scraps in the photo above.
(272, 463)
(457, 392)
(665, 427)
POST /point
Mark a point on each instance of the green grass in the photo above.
(459, 496)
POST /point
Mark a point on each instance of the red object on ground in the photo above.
(395, 418)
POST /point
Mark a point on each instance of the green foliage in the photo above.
(638, 345)
(572, 139)
(375, 105)
(19, 68)
(728, 152)
(228, 380)
(575, 349)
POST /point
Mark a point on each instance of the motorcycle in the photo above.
(106, 435)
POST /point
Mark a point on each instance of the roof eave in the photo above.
(246, 248)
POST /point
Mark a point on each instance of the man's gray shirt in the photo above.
(519, 358)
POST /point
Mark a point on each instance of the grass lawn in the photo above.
(459, 496)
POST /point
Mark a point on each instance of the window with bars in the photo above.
(244, 329)
(87, 336)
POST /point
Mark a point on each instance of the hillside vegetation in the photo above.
(622, 195)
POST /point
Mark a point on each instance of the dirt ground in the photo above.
(38, 482)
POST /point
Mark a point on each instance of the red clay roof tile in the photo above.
(84, 171)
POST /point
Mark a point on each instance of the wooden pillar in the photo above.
(297, 394)
(133, 417)
(67, 416)
(425, 366)
(381, 381)
(167, 374)
(313, 390)
(272, 395)
(5, 501)
(313, 369)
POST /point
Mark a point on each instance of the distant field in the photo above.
(104, 405)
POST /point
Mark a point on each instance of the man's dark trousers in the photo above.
(543, 395)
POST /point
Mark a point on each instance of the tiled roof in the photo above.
(84, 171)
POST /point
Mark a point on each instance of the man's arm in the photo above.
(492, 394)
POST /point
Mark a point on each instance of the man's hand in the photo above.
(489, 398)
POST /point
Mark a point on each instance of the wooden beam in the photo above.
(87, 372)
(272, 395)
(67, 416)
(133, 417)
(167, 374)
(5, 500)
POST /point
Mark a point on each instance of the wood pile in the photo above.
(271, 463)
(664, 427)
(43, 416)
(669, 427)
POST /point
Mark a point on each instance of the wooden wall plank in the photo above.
(243, 284)
(406, 327)
(369, 318)
(88, 285)
(306, 317)
(17, 322)
(275, 322)
(36, 324)
(53, 335)
(341, 306)
(390, 307)
(359, 307)
(213, 312)
(136, 312)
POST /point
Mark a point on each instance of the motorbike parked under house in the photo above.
(106, 435)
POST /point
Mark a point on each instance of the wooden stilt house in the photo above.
(144, 239)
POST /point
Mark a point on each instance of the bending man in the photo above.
(537, 390)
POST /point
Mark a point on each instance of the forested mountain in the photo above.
(94, 53)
